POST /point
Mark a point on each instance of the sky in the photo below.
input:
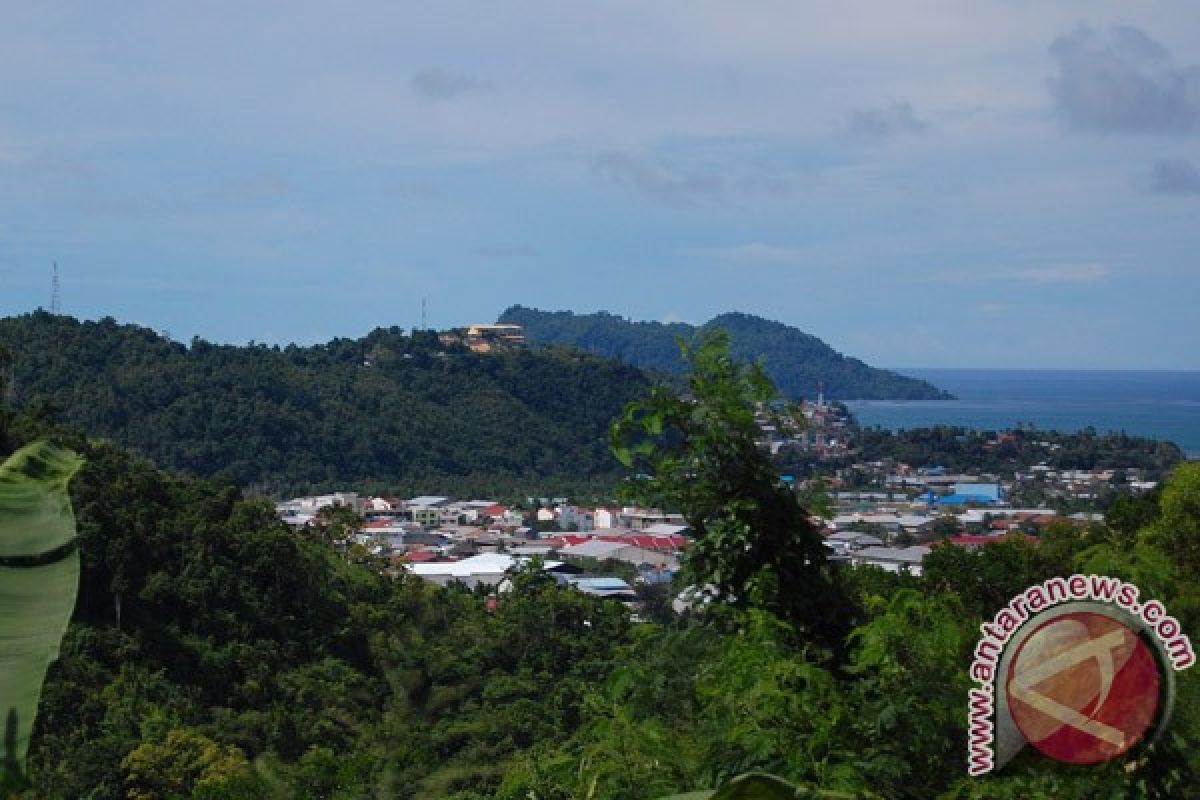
(1000, 183)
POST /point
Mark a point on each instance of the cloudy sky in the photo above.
(940, 183)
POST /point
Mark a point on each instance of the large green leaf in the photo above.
(39, 576)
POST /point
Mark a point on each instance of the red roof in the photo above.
(420, 556)
(647, 541)
(494, 510)
(644, 540)
(971, 538)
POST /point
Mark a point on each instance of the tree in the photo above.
(1177, 529)
(945, 526)
(815, 497)
(6, 369)
(698, 453)
(188, 763)
(336, 525)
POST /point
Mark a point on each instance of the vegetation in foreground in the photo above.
(214, 654)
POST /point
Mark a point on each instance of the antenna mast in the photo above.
(54, 291)
(424, 323)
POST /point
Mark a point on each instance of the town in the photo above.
(609, 551)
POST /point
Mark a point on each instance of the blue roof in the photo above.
(989, 490)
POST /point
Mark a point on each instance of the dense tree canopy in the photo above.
(798, 363)
(960, 449)
(388, 410)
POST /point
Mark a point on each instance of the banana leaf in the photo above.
(39, 577)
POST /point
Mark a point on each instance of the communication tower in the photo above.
(54, 291)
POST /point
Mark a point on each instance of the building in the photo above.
(843, 542)
(486, 569)
(892, 559)
(610, 588)
(635, 550)
(484, 338)
(641, 518)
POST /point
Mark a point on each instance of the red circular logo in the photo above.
(1083, 688)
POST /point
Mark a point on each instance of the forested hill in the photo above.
(796, 361)
(389, 410)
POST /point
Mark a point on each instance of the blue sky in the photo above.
(994, 183)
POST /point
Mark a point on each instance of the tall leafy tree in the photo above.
(698, 452)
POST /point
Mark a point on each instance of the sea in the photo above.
(1159, 405)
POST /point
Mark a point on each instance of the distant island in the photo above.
(800, 364)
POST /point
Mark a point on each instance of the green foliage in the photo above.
(1128, 514)
(797, 362)
(759, 786)
(1176, 530)
(216, 654)
(197, 611)
(960, 449)
(984, 579)
(698, 453)
(420, 417)
(39, 574)
(910, 693)
(6, 366)
(187, 763)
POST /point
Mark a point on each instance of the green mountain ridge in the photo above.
(800, 364)
(389, 410)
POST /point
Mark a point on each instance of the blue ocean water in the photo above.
(1161, 405)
